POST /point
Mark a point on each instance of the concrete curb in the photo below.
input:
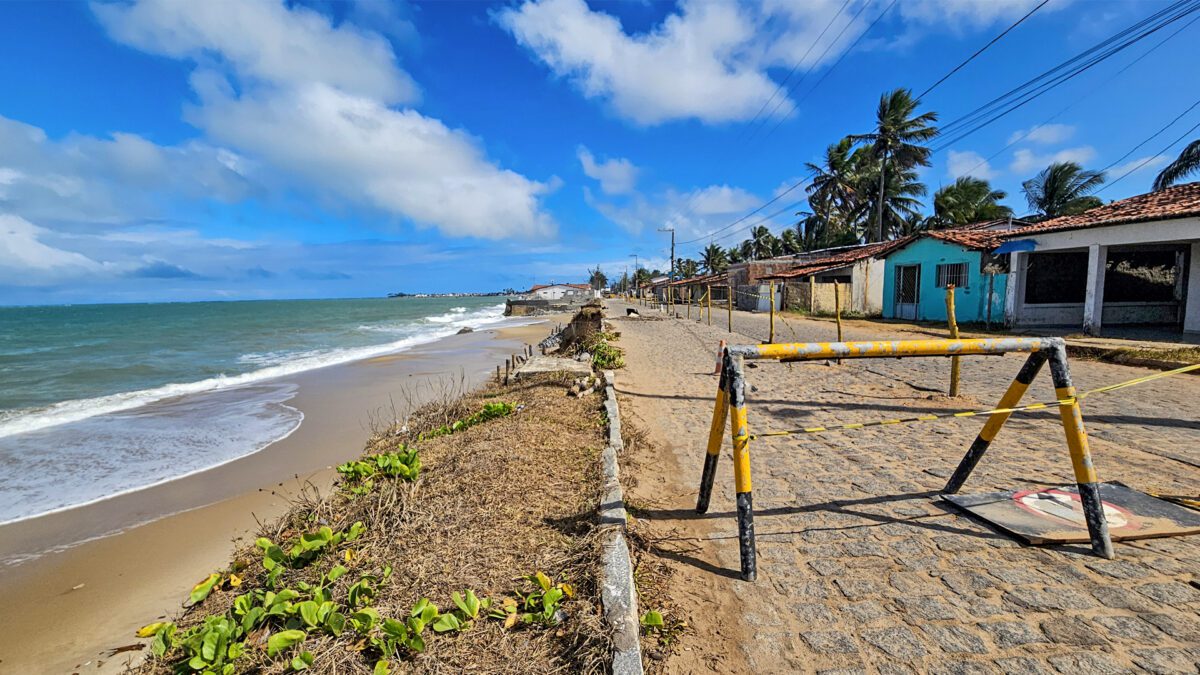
(616, 576)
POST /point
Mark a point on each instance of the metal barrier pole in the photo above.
(771, 337)
(740, 430)
(715, 431)
(837, 309)
(1010, 399)
(1081, 459)
(950, 319)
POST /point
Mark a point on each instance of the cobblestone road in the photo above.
(861, 568)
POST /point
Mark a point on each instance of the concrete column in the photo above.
(1016, 279)
(1191, 311)
(1093, 301)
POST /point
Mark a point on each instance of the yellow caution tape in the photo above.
(973, 413)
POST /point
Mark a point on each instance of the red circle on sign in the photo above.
(1067, 507)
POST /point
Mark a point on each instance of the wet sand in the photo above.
(98, 572)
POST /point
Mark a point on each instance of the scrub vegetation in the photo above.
(463, 539)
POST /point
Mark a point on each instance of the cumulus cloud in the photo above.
(314, 104)
(1027, 161)
(616, 176)
(263, 40)
(968, 163)
(711, 60)
(1045, 134)
(694, 213)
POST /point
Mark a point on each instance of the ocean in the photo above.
(100, 400)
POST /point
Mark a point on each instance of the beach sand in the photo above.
(97, 573)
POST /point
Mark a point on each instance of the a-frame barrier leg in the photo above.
(715, 433)
(740, 430)
(1081, 458)
(1011, 398)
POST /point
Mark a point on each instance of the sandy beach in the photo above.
(92, 575)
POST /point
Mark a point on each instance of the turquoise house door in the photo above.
(908, 291)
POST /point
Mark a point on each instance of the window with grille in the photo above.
(953, 273)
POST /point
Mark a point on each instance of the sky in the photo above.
(180, 151)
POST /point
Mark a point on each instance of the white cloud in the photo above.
(968, 163)
(693, 65)
(960, 15)
(313, 103)
(263, 41)
(1046, 134)
(693, 214)
(1028, 161)
(1138, 165)
(616, 176)
(712, 60)
(25, 258)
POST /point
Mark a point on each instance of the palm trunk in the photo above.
(879, 218)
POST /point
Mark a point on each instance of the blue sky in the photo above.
(155, 151)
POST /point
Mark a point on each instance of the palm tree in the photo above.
(834, 185)
(742, 252)
(1063, 189)
(789, 243)
(967, 200)
(686, 268)
(897, 143)
(763, 244)
(1187, 163)
(713, 259)
(597, 278)
(897, 205)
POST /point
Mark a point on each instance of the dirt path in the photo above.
(861, 569)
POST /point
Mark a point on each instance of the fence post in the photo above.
(837, 309)
(954, 363)
(729, 303)
(771, 338)
(708, 295)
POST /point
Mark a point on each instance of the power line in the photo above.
(1152, 136)
(981, 50)
(1076, 101)
(1018, 97)
(1146, 161)
(760, 208)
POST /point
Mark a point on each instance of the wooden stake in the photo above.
(950, 318)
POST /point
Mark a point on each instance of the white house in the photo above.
(1134, 262)
(568, 292)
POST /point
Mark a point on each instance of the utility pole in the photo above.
(635, 271)
(671, 274)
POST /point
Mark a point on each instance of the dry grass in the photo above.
(492, 504)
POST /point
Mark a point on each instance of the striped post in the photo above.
(740, 432)
(1010, 399)
(715, 431)
(1081, 458)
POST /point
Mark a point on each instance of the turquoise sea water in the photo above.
(96, 400)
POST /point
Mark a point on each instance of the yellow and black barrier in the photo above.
(731, 401)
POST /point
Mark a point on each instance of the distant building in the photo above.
(809, 284)
(567, 292)
(1131, 262)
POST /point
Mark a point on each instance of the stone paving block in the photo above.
(955, 640)
(827, 567)
(1164, 661)
(1013, 633)
(1092, 663)
(967, 583)
(830, 642)
(1021, 665)
(1119, 569)
(895, 641)
(855, 589)
(814, 613)
(1128, 628)
(1073, 630)
(1118, 597)
(1179, 626)
(1048, 599)
(927, 607)
(1172, 593)
(962, 668)
(866, 611)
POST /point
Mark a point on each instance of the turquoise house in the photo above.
(917, 273)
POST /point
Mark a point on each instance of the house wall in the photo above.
(746, 275)
(559, 292)
(970, 302)
(1097, 240)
